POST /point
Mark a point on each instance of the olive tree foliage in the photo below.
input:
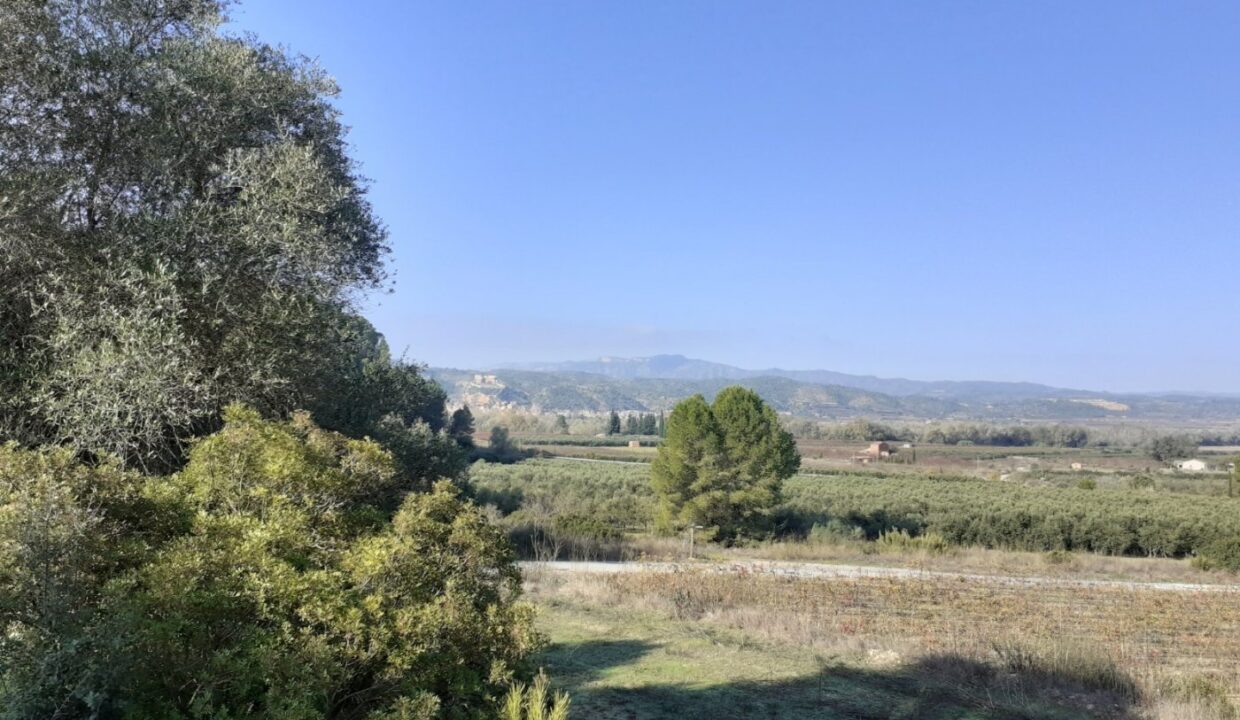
(1166, 448)
(367, 393)
(722, 465)
(180, 226)
(286, 573)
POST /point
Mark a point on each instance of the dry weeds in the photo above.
(1177, 653)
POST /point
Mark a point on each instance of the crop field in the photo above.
(1029, 463)
(885, 647)
(957, 511)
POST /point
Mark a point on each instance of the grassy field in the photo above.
(690, 645)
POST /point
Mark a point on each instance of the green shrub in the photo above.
(900, 540)
(285, 573)
(1221, 554)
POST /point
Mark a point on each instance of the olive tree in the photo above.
(180, 226)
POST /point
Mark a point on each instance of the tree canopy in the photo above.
(183, 241)
(181, 227)
(722, 465)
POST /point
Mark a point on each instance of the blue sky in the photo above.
(957, 190)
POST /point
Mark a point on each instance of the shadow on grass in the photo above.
(607, 681)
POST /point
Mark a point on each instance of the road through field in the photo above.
(818, 570)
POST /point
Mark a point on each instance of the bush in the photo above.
(900, 540)
(1221, 554)
(285, 573)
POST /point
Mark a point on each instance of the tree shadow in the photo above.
(945, 687)
(582, 662)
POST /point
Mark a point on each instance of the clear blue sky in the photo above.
(1044, 191)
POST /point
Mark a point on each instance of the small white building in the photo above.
(1193, 465)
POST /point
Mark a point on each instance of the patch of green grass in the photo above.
(630, 665)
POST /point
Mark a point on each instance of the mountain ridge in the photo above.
(657, 383)
(680, 367)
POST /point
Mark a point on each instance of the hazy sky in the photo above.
(956, 190)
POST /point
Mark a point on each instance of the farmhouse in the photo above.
(1193, 465)
(875, 451)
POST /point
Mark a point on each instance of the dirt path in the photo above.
(816, 570)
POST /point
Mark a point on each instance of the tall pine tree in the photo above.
(722, 465)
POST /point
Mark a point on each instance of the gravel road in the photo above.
(815, 570)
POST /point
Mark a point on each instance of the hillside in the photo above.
(684, 368)
(651, 384)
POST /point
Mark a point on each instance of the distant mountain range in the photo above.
(658, 382)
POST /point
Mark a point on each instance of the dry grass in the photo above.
(983, 561)
(1178, 654)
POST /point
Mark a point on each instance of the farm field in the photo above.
(911, 515)
(786, 640)
(1030, 463)
(698, 644)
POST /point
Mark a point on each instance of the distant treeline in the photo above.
(588, 441)
(862, 430)
(635, 424)
(1220, 439)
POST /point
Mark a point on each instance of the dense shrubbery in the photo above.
(284, 573)
(863, 430)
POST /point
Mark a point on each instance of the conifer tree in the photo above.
(722, 465)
